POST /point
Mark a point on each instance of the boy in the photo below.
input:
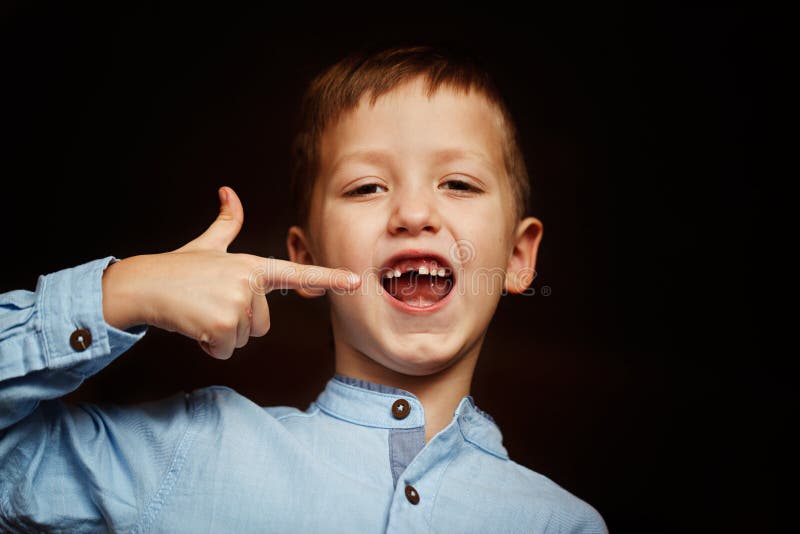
(411, 191)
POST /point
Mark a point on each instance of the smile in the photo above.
(416, 283)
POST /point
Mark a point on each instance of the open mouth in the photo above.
(419, 282)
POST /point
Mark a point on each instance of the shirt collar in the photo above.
(369, 404)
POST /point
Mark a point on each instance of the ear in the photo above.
(300, 252)
(522, 261)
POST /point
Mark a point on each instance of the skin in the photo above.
(202, 291)
(386, 184)
(363, 210)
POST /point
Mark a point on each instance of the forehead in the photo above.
(406, 124)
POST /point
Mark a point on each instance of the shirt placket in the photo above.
(415, 492)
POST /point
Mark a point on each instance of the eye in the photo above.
(366, 189)
(460, 185)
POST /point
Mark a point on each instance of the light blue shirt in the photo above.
(211, 460)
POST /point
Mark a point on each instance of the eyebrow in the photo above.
(454, 154)
(364, 155)
(447, 155)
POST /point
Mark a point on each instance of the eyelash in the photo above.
(355, 192)
(359, 191)
(468, 188)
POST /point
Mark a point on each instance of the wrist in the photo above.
(122, 307)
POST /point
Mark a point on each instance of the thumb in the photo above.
(226, 227)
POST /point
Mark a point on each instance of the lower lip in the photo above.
(433, 308)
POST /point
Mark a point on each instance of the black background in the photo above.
(641, 383)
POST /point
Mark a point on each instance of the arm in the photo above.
(80, 319)
(63, 466)
(88, 466)
(43, 334)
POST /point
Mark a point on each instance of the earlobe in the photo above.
(522, 261)
(300, 252)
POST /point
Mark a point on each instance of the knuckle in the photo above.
(232, 322)
(249, 283)
(218, 326)
(223, 324)
(241, 300)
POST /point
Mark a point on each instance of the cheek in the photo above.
(343, 241)
(487, 274)
(485, 237)
(487, 247)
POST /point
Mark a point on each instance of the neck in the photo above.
(439, 392)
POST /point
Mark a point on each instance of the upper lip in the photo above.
(410, 254)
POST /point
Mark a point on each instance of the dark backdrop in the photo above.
(634, 378)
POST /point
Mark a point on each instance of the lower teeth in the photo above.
(416, 291)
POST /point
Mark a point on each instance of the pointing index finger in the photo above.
(273, 273)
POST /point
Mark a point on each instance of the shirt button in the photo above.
(400, 409)
(80, 339)
(412, 495)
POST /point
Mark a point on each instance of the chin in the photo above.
(419, 362)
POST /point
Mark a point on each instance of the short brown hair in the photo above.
(341, 86)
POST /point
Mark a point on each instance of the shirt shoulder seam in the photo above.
(475, 444)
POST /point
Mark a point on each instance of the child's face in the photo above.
(421, 179)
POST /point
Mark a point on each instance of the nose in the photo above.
(414, 210)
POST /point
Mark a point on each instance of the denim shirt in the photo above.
(211, 460)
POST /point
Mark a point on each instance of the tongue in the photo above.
(420, 291)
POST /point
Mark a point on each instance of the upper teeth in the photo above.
(422, 269)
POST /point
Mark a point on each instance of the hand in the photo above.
(206, 293)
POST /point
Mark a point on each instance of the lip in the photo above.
(418, 253)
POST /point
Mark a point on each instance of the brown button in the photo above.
(80, 339)
(400, 409)
(412, 495)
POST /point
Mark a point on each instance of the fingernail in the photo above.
(223, 195)
(353, 278)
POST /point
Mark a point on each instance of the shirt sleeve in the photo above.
(55, 337)
(83, 467)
